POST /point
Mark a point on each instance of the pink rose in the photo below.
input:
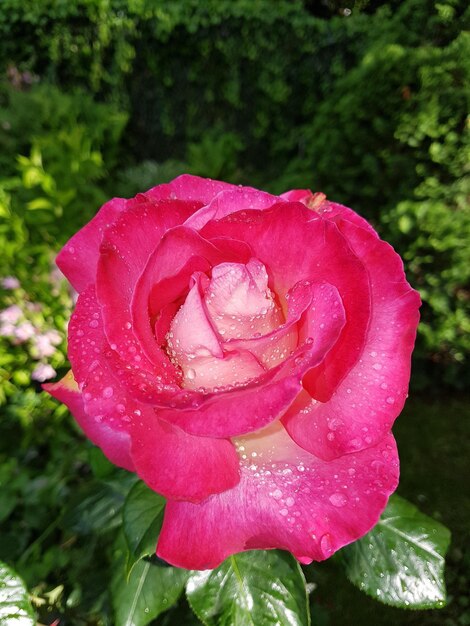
(246, 355)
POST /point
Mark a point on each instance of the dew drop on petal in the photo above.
(338, 499)
(325, 545)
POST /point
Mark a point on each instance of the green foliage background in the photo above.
(109, 97)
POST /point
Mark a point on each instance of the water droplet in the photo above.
(390, 400)
(93, 324)
(338, 499)
(108, 392)
(191, 374)
(325, 545)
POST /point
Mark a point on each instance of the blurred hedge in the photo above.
(371, 108)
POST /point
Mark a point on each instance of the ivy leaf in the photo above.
(15, 608)
(142, 521)
(257, 588)
(150, 589)
(401, 560)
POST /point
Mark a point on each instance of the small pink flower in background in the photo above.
(246, 355)
(45, 344)
(34, 307)
(43, 372)
(10, 282)
(7, 329)
(24, 331)
(11, 314)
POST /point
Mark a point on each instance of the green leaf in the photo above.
(100, 466)
(257, 588)
(142, 521)
(39, 203)
(98, 509)
(401, 560)
(151, 588)
(15, 608)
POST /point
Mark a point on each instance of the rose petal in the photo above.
(104, 399)
(189, 188)
(286, 499)
(78, 259)
(125, 251)
(230, 201)
(195, 347)
(172, 462)
(191, 332)
(279, 238)
(368, 400)
(308, 314)
(230, 413)
(263, 401)
(330, 210)
(180, 466)
(234, 370)
(305, 196)
(114, 443)
(240, 301)
(166, 277)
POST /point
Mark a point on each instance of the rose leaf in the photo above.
(97, 509)
(256, 588)
(150, 589)
(142, 520)
(401, 560)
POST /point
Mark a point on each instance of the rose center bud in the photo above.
(206, 336)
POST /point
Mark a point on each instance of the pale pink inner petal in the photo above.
(236, 369)
(240, 301)
(235, 302)
(191, 334)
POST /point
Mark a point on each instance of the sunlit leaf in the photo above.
(257, 588)
(15, 608)
(401, 560)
